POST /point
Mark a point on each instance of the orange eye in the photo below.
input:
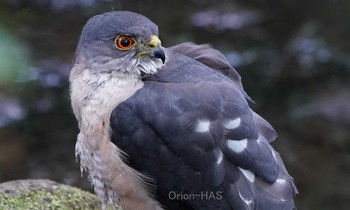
(124, 42)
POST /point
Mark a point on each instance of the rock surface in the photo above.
(44, 194)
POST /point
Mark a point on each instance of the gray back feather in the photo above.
(214, 59)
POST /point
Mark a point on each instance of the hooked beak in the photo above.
(152, 49)
(158, 53)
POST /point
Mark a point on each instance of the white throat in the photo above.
(94, 97)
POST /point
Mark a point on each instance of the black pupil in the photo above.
(125, 42)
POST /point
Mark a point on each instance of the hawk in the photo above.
(169, 128)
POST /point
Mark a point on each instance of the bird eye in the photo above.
(124, 42)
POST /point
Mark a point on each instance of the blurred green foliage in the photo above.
(13, 58)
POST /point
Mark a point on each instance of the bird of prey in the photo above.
(169, 128)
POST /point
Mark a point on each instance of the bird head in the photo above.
(120, 41)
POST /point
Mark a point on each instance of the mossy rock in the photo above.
(45, 195)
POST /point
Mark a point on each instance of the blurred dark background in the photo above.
(294, 57)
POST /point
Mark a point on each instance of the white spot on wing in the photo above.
(246, 201)
(237, 145)
(248, 174)
(202, 126)
(260, 138)
(281, 181)
(220, 157)
(232, 124)
(274, 154)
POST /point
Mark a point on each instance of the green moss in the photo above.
(45, 195)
